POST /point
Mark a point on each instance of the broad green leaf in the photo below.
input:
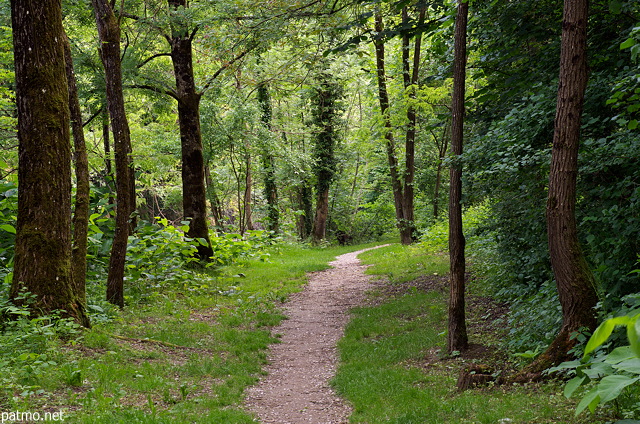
(611, 386)
(620, 354)
(603, 332)
(572, 385)
(629, 42)
(591, 399)
(8, 228)
(630, 365)
(598, 370)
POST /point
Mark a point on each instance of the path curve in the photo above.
(296, 389)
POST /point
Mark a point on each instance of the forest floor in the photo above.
(296, 388)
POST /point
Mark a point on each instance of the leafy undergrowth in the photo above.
(184, 354)
(393, 368)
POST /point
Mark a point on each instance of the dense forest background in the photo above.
(330, 121)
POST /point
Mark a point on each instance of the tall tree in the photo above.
(194, 193)
(109, 35)
(81, 211)
(410, 78)
(401, 184)
(43, 234)
(326, 112)
(457, 330)
(268, 162)
(574, 280)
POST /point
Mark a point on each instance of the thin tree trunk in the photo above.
(216, 206)
(109, 34)
(574, 280)
(109, 177)
(81, 212)
(305, 220)
(383, 96)
(194, 197)
(43, 232)
(457, 339)
(248, 187)
(410, 81)
(442, 151)
(268, 163)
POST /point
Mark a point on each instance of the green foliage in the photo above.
(29, 346)
(612, 377)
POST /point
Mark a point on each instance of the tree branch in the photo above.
(155, 89)
(223, 68)
(149, 59)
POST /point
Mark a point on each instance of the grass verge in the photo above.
(185, 355)
(392, 368)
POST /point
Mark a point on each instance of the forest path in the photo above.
(296, 389)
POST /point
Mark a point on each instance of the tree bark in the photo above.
(383, 97)
(109, 178)
(81, 212)
(442, 151)
(322, 213)
(574, 280)
(411, 82)
(43, 233)
(268, 164)
(248, 188)
(457, 339)
(194, 197)
(326, 111)
(109, 34)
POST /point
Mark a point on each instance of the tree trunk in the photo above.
(216, 205)
(109, 34)
(109, 178)
(268, 164)
(43, 233)
(322, 213)
(194, 195)
(411, 82)
(248, 187)
(81, 212)
(383, 97)
(457, 339)
(305, 220)
(574, 280)
(326, 113)
(442, 151)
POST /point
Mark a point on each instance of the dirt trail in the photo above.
(296, 389)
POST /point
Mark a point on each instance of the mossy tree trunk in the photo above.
(326, 111)
(109, 35)
(457, 339)
(81, 211)
(574, 280)
(43, 234)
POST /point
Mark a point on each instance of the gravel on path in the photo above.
(296, 388)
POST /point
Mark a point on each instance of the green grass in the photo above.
(185, 356)
(392, 371)
(401, 263)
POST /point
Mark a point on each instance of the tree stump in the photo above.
(474, 376)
